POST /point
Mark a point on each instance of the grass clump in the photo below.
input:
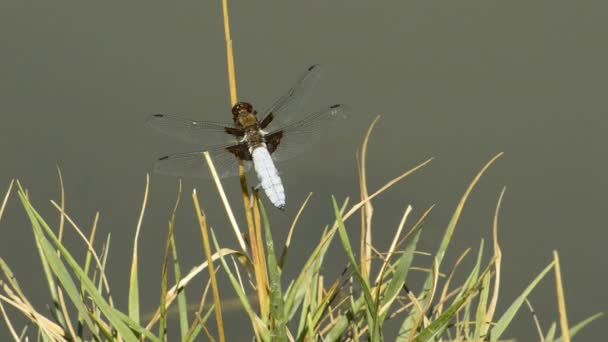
(313, 306)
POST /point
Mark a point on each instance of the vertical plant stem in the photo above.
(229, 54)
(260, 265)
(256, 245)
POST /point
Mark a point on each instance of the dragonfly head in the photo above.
(241, 108)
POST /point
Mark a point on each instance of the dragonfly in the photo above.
(277, 135)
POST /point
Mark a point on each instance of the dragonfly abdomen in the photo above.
(268, 176)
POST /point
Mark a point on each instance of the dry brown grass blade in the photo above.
(422, 319)
(391, 249)
(497, 260)
(8, 323)
(8, 193)
(418, 223)
(446, 286)
(93, 229)
(207, 248)
(51, 328)
(291, 230)
(367, 210)
(220, 189)
(561, 301)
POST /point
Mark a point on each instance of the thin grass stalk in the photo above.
(291, 230)
(561, 302)
(539, 329)
(207, 248)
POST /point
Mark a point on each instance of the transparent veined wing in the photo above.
(296, 137)
(203, 133)
(286, 107)
(193, 164)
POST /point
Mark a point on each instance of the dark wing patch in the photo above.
(237, 132)
(240, 151)
(273, 140)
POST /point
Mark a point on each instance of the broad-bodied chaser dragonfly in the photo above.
(278, 136)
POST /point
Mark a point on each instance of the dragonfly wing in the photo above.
(296, 137)
(193, 164)
(288, 105)
(204, 133)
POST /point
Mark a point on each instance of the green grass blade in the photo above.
(52, 261)
(370, 304)
(550, 337)
(471, 280)
(504, 321)
(182, 303)
(482, 306)
(449, 232)
(309, 286)
(396, 283)
(279, 332)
